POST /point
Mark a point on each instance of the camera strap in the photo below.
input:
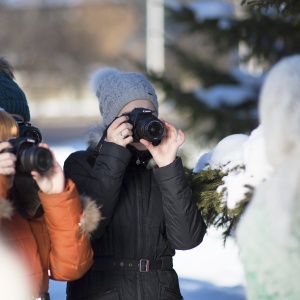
(94, 154)
(25, 197)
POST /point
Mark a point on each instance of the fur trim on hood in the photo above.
(91, 216)
(6, 209)
(94, 134)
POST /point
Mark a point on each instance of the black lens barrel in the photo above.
(150, 129)
(34, 158)
(30, 156)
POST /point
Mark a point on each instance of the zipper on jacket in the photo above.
(139, 201)
(139, 209)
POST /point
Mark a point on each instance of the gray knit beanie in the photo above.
(114, 89)
(12, 98)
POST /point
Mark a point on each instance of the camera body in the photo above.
(29, 131)
(30, 156)
(145, 125)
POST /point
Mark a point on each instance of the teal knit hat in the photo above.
(12, 98)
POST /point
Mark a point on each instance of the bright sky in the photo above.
(211, 9)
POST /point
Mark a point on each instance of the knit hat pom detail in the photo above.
(99, 76)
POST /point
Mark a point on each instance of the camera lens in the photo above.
(154, 129)
(150, 129)
(35, 158)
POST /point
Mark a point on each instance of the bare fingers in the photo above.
(7, 163)
(120, 132)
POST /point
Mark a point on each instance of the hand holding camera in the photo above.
(145, 125)
(131, 127)
(22, 156)
(7, 160)
(27, 156)
(140, 125)
(53, 180)
(165, 153)
(120, 132)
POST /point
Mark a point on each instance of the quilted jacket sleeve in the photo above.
(184, 223)
(101, 182)
(71, 254)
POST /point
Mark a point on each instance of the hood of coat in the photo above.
(94, 134)
(6, 209)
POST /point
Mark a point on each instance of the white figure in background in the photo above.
(242, 160)
(14, 281)
(268, 233)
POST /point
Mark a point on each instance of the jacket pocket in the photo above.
(168, 294)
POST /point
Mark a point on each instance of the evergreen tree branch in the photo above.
(211, 202)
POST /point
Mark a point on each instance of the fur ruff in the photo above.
(6, 209)
(91, 216)
(94, 134)
(89, 220)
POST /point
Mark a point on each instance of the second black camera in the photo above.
(30, 156)
(145, 125)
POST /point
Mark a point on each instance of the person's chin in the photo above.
(139, 146)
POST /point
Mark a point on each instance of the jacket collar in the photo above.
(141, 157)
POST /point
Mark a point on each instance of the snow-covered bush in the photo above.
(224, 178)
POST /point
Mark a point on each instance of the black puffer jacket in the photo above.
(148, 213)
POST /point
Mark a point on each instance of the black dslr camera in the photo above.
(29, 155)
(145, 125)
(29, 131)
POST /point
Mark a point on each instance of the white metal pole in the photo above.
(155, 52)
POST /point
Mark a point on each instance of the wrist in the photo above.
(165, 163)
(56, 189)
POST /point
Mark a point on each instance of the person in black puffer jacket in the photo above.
(140, 185)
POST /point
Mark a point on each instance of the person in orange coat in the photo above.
(53, 243)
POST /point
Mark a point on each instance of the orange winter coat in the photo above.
(52, 246)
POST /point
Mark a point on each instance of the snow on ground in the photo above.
(211, 261)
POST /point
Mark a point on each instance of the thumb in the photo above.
(180, 137)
